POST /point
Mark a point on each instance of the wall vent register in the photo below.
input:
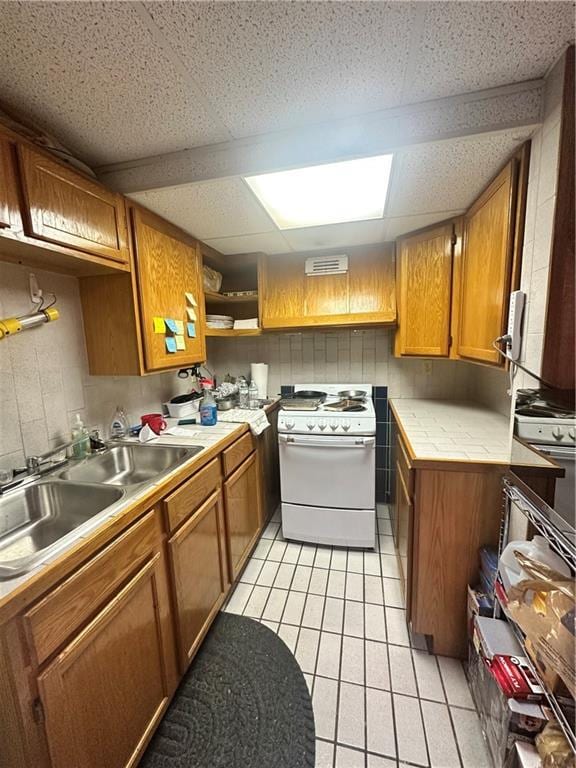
(326, 265)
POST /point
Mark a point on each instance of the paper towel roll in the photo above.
(259, 375)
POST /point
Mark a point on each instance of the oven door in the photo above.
(336, 471)
(564, 495)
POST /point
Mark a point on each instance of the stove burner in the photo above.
(544, 411)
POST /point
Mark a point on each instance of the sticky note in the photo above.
(159, 326)
(191, 314)
(179, 327)
(171, 325)
(191, 330)
(170, 344)
(180, 342)
(190, 299)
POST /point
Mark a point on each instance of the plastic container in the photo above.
(537, 549)
(119, 424)
(244, 401)
(208, 410)
(253, 402)
(80, 434)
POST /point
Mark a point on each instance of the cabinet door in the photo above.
(200, 574)
(242, 510)
(9, 208)
(167, 269)
(424, 274)
(486, 267)
(66, 208)
(104, 693)
(404, 512)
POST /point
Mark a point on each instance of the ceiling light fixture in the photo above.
(353, 190)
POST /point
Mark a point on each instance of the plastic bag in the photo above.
(543, 606)
(212, 280)
(553, 748)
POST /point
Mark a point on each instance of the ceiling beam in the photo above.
(518, 105)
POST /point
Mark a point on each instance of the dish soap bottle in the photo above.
(119, 424)
(81, 438)
(208, 409)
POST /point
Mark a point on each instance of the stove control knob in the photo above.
(289, 424)
(558, 433)
(333, 426)
(572, 433)
(310, 425)
(346, 425)
(322, 424)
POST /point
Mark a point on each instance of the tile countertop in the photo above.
(459, 431)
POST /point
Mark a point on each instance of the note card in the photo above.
(190, 299)
(191, 314)
(159, 326)
(171, 325)
(180, 342)
(191, 327)
(170, 344)
(179, 327)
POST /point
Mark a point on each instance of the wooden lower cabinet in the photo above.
(200, 575)
(242, 505)
(404, 528)
(106, 690)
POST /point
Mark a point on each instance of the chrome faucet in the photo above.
(36, 466)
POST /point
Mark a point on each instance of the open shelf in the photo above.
(220, 298)
(233, 332)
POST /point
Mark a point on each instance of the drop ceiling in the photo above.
(121, 81)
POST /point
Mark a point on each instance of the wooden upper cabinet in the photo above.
(167, 268)
(363, 295)
(424, 286)
(487, 254)
(66, 208)
(9, 207)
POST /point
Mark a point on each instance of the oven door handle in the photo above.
(346, 442)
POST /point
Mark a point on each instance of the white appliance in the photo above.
(554, 435)
(328, 470)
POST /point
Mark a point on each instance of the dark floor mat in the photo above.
(243, 703)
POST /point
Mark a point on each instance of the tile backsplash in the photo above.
(44, 376)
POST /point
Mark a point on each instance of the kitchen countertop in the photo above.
(458, 431)
(209, 438)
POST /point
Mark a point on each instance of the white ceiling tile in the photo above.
(400, 225)
(336, 235)
(267, 242)
(91, 74)
(448, 175)
(468, 46)
(220, 208)
(275, 65)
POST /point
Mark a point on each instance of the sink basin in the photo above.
(36, 518)
(129, 464)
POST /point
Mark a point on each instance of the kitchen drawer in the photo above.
(52, 620)
(234, 456)
(404, 465)
(188, 497)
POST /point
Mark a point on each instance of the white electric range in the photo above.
(328, 468)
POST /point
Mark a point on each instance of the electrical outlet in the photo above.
(35, 291)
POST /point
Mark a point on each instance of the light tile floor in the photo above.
(380, 700)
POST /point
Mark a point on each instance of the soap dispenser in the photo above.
(81, 438)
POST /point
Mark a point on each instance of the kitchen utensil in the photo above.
(227, 403)
(295, 404)
(155, 421)
(309, 394)
(346, 405)
(352, 394)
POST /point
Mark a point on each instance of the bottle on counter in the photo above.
(119, 424)
(208, 409)
(81, 437)
(253, 401)
(243, 397)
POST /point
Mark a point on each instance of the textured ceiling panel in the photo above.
(209, 209)
(448, 175)
(268, 242)
(400, 225)
(336, 235)
(92, 75)
(273, 65)
(468, 46)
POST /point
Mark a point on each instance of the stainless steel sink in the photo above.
(128, 465)
(36, 519)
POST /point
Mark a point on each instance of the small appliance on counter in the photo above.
(328, 466)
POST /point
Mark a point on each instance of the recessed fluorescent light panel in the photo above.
(354, 190)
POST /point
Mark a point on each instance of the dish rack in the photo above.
(561, 538)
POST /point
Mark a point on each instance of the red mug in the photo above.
(155, 421)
